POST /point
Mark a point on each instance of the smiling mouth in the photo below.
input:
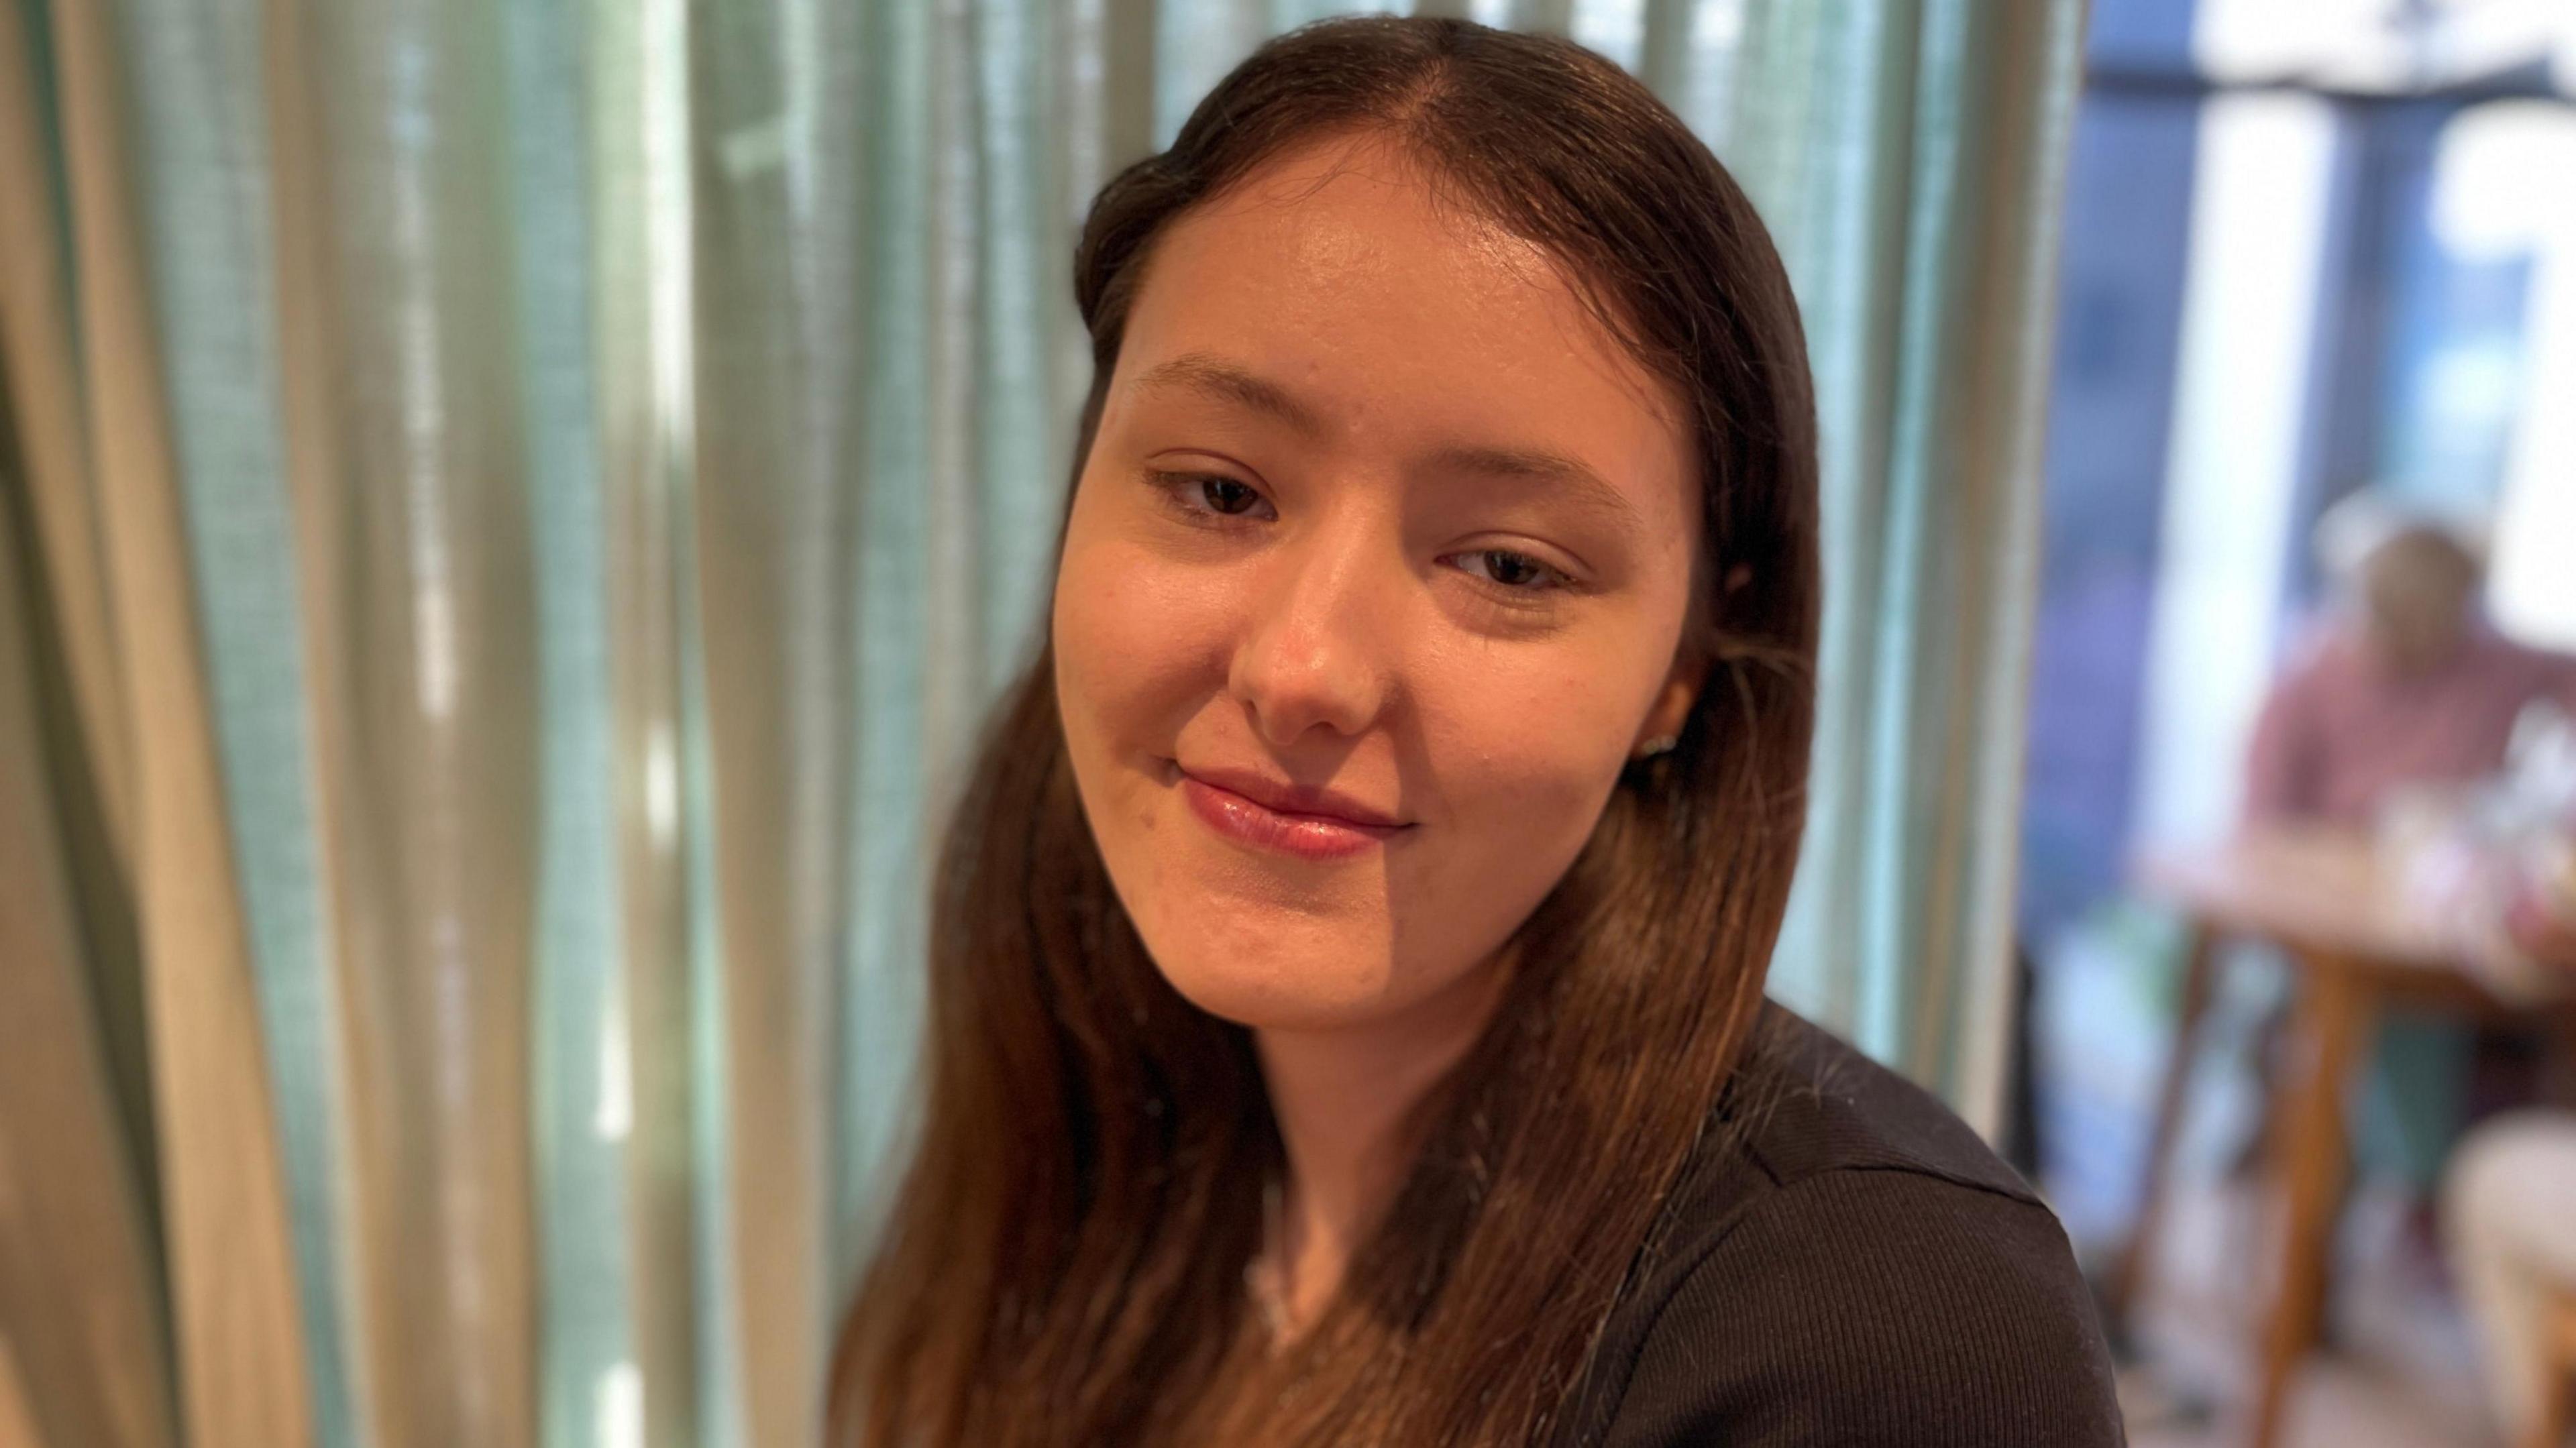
(1309, 836)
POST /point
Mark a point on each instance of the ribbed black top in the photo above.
(1844, 1264)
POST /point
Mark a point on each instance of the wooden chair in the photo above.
(2558, 1395)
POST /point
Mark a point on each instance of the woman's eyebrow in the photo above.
(1213, 376)
(1210, 375)
(1568, 477)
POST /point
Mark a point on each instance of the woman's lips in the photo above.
(1306, 836)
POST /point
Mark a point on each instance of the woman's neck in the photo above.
(1345, 1100)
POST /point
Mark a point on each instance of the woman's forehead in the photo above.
(1343, 274)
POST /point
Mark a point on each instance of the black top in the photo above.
(1844, 1264)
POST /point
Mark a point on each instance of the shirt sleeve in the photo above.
(2282, 762)
(1877, 1309)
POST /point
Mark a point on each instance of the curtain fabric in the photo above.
(1909, 158)
(510, 512)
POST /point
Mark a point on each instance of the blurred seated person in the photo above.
(2403, 684)
(2513, 1247)
(2507, 1210)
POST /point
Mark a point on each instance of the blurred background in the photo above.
(2319, 262)
(511, 511)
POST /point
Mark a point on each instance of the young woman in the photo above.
(1347, 1021)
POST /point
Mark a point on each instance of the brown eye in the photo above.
(1225, 495)
(1209, 500)
(1510, 570)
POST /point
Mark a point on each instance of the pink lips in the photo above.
(1311, 825)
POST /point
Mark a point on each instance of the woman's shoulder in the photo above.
(1844, 1262)
(1804, 1103)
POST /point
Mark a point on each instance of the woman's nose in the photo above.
(1315, 650)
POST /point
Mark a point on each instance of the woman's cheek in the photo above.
(1123, 617)
(1540, 725)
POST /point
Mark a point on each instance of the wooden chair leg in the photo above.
(2128, 1275)
(2335, 1015)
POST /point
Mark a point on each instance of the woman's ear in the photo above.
(1663, 724)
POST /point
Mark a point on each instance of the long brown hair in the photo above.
(1064, 1263)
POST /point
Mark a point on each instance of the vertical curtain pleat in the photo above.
(1664, 52)
(1907, 155)
(1812, 150)
(605, 1377)
(74, 1245)
(655, 1041)
(530, 501)
(244, 1377)
(1024, 380)
(306, 356)
(1128, 58)
(397, 366)
(40, 340)
(41, 369)
(773, 525)
(1544, 17)
(2000, 287)
(1194, 46)
(881, 1000)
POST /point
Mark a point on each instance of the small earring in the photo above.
(1660, 744)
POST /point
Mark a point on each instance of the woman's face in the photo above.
(1374, 580)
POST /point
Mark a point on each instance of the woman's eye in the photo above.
(1515, 571)
(1225, 495)
(1205, 495)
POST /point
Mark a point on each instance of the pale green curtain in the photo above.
(1908, 157)
(510, 511)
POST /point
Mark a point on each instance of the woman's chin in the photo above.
(1279, 996)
